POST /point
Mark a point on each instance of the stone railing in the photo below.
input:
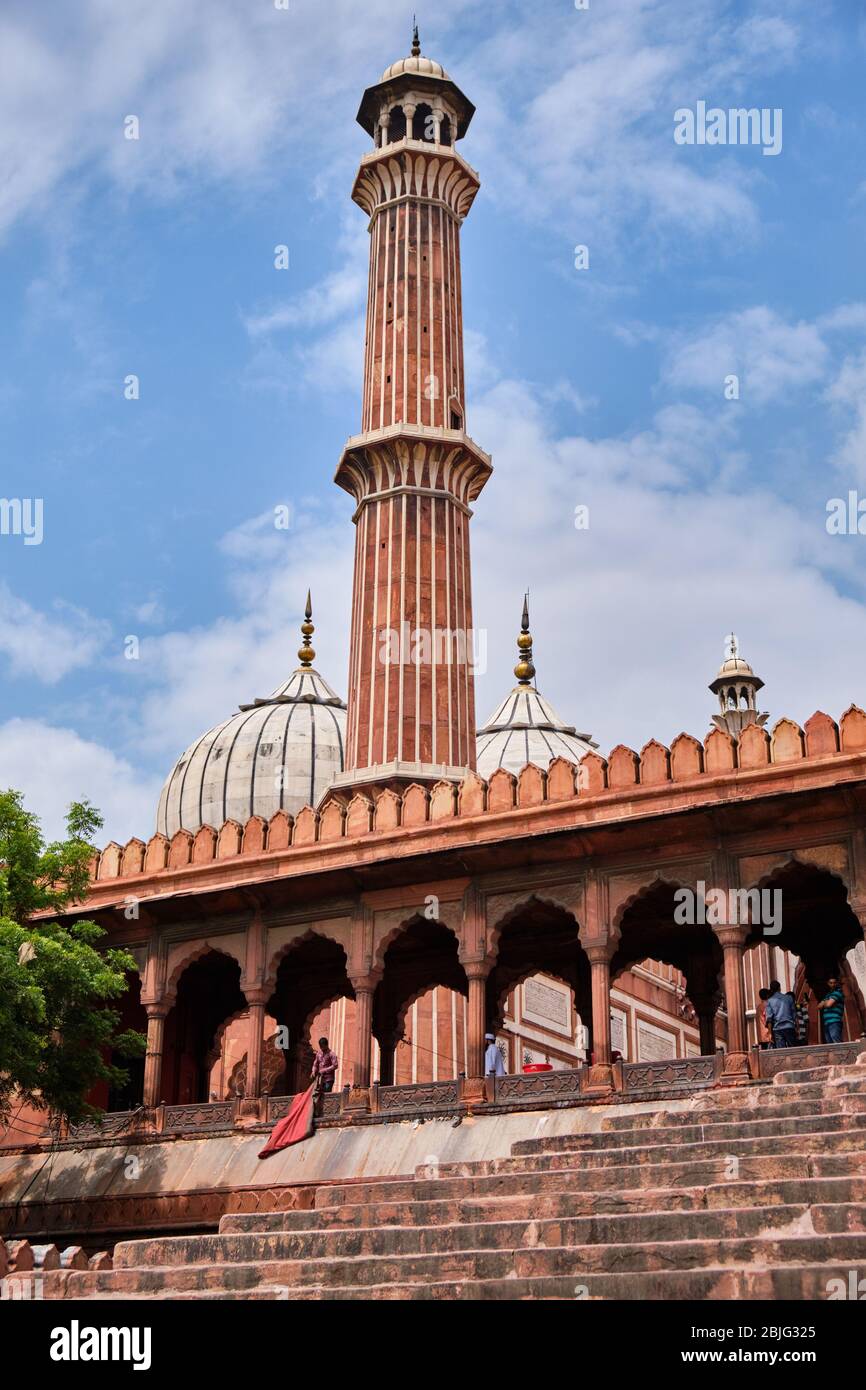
(199, 1119)
(536, 1087)
(772, 1062)
(623, 774)
(686, 1072)
(425, 1098)
(432, 1099)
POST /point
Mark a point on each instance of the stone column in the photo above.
(409, 110)
(476, 973)
(156, 1016)
(599, 962)
(257, 1001)
(736, 1065)
(364, 989)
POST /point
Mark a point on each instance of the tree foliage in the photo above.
(57, 980)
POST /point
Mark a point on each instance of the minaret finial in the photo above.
(306, 655)
(524, 670)
(732, 646)
(416, 42)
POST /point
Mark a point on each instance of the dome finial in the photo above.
(524, 670)
(416, 42)
(732, 646)
(306, 655)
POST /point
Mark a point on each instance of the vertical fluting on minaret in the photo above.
(413, 471)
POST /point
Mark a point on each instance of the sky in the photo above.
(607, 386)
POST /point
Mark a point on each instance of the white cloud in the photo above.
(54, 766)
(47, 646)
(769, 355)
(848, 393)
(629, 617)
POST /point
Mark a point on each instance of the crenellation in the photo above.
(822, 735)
(655, 763)
(753, 747)
(228, 842)
(204, 845)
(501, 791)
(852, 730)
(623, 768)
(687, 758)
(655, 766)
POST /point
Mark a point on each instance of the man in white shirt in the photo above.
(493, 1063)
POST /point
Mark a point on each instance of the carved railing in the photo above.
(425, 1098)
(685, 1072)
(107, 1127)
(199, 1119)
(774, 1060)
(538, 1086)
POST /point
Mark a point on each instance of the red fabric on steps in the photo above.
(294, 1127)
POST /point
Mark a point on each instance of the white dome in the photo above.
(425, 67)
(526, 729)
(275, 754)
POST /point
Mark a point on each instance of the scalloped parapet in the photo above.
(632, 778)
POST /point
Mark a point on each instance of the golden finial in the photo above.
(416, 42)
(524, 670)
(306, 654)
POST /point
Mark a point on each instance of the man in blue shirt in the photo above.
(832, 1008)
(780, 1016)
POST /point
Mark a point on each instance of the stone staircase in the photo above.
(754, 1192)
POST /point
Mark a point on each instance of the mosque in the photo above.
(388, 872)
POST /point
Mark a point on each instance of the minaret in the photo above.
(737, 687)
(413, 470)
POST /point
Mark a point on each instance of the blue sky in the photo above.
(602, 387)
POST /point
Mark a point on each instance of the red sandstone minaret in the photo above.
(413, 470)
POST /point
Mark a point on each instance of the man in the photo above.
(779, 1013)
(493, 1063)
(325, 1065)
(832, 1010)
(765, 1037)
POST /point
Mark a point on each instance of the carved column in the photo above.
(257, 1000)
(364, 988)
(736, 1065)
(476, 973)
(156, 1016)
(600, 1072)
(599, 963)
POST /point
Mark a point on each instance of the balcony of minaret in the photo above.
(419, 169)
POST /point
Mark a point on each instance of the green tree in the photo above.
(57, 982)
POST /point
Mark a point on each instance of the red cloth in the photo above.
(293, 1127)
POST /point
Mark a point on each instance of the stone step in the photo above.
(697, 1131)
(576, 1262)
(660, 1227)
(779, 1282)
(818, 1075)
(829, 1141)
(841, 1098)
(546, 1206)
(775, 1167)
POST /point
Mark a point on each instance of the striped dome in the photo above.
(275, 754)
(526, 729)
